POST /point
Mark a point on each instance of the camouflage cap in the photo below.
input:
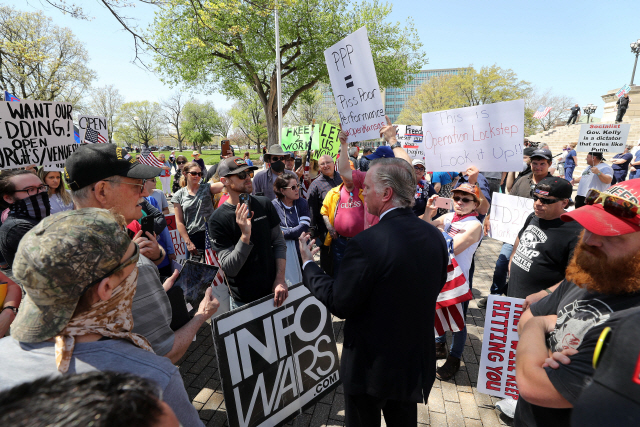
(56, 260)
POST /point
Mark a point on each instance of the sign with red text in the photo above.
(603, 137)
(410, 137)
(497, 375)
(508, 215)
(624, 89)
(179, 245)
(488, 137)
(355, 86)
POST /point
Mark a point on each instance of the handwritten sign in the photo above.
(179, 245)
(297, 138)
(486, 136)
(601, 137)
(497, 375)
(329, 142)
(93, 129)
(35, 133)
(410, 137)
(624, 89)
(508, 214)
(355, 86)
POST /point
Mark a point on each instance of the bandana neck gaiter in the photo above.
(35, 207)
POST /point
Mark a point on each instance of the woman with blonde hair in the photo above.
(59, 197)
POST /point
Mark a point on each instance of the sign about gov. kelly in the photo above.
(488, 137)
(355, 86)
(603, 137)
(275, 361)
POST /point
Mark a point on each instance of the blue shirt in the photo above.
(568, 162)
(443, 178)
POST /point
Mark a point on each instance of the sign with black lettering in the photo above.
(275, 361)
(35, 133)
(410, 137)
(329, 142)
(508, 215)
(93, 129)
(354, 83)
(297, 138)
(597, 137)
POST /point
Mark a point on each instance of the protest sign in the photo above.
(508, 214)
(355, 86)
(275, 361)
(410, 137)
(297, 138)
(179, 245)
(93, 129)
(624, 89)
(600, 137)
(329, 141)
(497, 375)
(35, 133)
(488, 137)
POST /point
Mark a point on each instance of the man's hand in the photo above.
(487, 226)
(556, 358)
(192, 248)
(148, 245)
(332, 231)
(594, 170)
(171, 280)
(300, 172)
(388, 132)
(209, 305)
(306, 249)
(243, 222)
(172, 257)
(342, 136)
(280, 291)
(533, 298)
(472, 173)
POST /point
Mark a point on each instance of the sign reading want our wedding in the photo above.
(410, 137)
(603, 137)
(508, 215)
(355, 86)
(488, 137)
(275, 361)
(93, 129)
(497, 375)
(35, 133)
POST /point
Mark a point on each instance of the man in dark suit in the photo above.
(386, 290)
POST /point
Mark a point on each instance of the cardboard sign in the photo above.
(329, 141)
(508, 214)
(410, 137)
(93, 129)
(297, 138)
(179, 245)
(488, 137)
(275, 361)
(602, 137)
(497, 375)
(624, 89)
(35, 133)
(355, 86)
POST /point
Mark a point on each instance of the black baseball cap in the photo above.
(233, 165)
(545, 153)
(554, 186)
(94, 162)
(612, 398)
(528, 151)
(596, 154)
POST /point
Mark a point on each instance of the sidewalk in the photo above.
(452, 403)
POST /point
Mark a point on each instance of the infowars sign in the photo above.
(275, 361)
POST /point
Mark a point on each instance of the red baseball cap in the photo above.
(598, 221)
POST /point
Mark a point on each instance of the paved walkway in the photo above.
(452, 403)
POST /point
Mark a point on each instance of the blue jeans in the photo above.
(568, 172)
(338, 247)
(499, 285)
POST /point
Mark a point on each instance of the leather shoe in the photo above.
(482, 302)
(441, 350)
(449, 369)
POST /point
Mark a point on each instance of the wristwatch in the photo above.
(12, 308)
(396, 145)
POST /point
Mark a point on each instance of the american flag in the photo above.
(542, 112)
(94, 137)
(211, 258)
(449, 314)
(146, 157)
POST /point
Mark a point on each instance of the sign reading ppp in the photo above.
(35, 133)
(275, 361)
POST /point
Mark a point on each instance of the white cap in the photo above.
(417, 162)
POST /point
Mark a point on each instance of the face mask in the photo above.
(278, 167)
(35, 207)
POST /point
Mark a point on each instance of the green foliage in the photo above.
(199, 123)
(249, 118)
(309, 106)
(139, 122)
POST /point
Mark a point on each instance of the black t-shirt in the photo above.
(575, 111)
(542, 255)
(256, 277)
(581, 315)
(11, 232)
(623, 102)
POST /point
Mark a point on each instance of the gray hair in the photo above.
(398, 175)
(81, 197)
(353, 151)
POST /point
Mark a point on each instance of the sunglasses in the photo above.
(276, 158)
(614, 205)
(195, 173)
(536, 198)
(242, 175)
(463, 199)
(293, 187)
(419, 168)
(181, 163)
(134, 259)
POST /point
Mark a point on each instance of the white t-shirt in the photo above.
(464, 258)
(590, 180)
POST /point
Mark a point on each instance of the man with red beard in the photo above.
(602, 278)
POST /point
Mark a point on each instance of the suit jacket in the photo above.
(386, 290)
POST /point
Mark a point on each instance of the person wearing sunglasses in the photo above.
(559, 333)
(274, 159)
(193, 205)
(77, 315)
(180, 162)
(597, 175)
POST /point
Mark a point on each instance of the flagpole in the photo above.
(278, 79)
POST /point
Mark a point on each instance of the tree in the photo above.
(309, 106)
(199, 123)
(106, 101)
(173, 108)
(249, 117)
(558, 103)
(224, 124)
(435, 95)
(140, 121)
(227, 45)
(39, 60)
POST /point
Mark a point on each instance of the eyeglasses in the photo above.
(614, 205)
(134, 259)
(276, 158)
(32, 191)
(181, 163)
(144, 181)
(462, 199)
(419, 168)
(195, 173)
(293, 187)
(544, 201)
(242, 175)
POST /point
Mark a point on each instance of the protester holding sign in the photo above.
(597, 175)
(274, 160)
(622, 104)
(59, 197)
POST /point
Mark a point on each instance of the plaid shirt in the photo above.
(317, 192)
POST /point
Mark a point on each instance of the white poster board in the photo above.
(410, 137)
(603, 137)
(497, 375)
(508, 214)
(35, 133)
(488, 137)
(355, 86)
(624, 89)
(93, 129)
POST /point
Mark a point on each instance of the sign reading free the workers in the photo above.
(487, 136)
(355, 86)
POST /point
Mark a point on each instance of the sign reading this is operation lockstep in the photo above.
(355, 86)
(275, 361)
(595, 137)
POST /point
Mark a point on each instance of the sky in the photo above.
(579, 49)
